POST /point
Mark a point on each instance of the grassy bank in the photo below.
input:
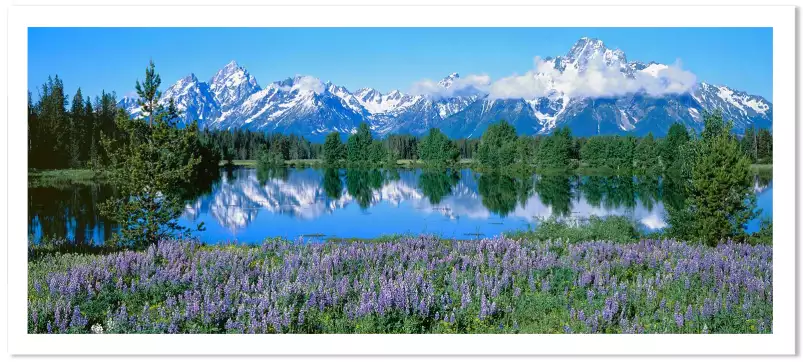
(66, 177)
(44, 178)
(409, 285)
(761, 167)
(404, 163)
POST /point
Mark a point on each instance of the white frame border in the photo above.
(780, 18)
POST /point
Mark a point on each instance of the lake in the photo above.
(248, 205)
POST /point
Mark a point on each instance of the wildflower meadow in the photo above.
(409, 285)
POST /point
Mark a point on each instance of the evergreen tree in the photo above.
(377, 153)
(764, 146)
(54, 126)
(497, 148)
(76, 134)
(90, 146)
(332, 148)
(646, 155)
(148, 92)
(555, 151)
(750, 143)
(34, 134)
(152, 165)
(676, 137)
(720, 198)
(436, 149)
(358, 146)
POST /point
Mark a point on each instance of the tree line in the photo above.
(62, 137)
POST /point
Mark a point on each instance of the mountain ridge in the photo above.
(591, 89)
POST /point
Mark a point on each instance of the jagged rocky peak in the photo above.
(304, 105)
(232, 83)
(367, 94)
(395, 94)
(448, 80)
(588, 49)
(190, 78)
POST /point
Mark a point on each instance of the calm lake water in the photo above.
(249, 205)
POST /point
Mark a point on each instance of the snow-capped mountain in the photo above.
(638, 98)
(232, 85)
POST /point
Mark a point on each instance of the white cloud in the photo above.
(306, 83)
(469, 84)
(597, 80)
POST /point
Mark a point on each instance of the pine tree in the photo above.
(332, 149)
(148, 92)
(720, 193)
(152, 166)
(749, 144)
(646, 158)
(764, 146)
(437, 150)
(89, 146)
(555, 151)
(76, 134)
(54, 121)
(498, 145)
(358, 146)
(34, 134)
(676, 137)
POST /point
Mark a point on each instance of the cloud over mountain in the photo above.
(591, 89)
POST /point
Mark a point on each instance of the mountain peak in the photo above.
(587, 49)
(461, 107)
(448, 80)
(191, 78)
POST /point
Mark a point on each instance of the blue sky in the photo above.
(382, 58)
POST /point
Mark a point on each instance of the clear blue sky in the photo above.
(382, 58)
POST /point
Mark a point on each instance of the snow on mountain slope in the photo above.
(560, 91)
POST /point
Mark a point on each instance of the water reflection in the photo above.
(251, 204)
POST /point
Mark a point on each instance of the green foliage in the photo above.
(332, 184)
(436, 185)
(555, 150)
(613, 152)
(719, 186)
(437, 150)
(646, 156)
(611, 228)
(362, 183)
(555, 191)
(77, 132)
(358, 146)
(377, 153)
(333, 149)
(764, 234)
(749, 143)
(675, 139)
(273, 157)
(149, 94)
(764, 152)
(497, 148)
(501, 193)
(151, 165)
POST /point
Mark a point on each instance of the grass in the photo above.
(289, 163)
(403, 163)
(49, 178)
(761, 167)
(613, 228)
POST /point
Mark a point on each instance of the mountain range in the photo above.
(646, 97)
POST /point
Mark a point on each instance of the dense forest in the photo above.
(67, 132)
